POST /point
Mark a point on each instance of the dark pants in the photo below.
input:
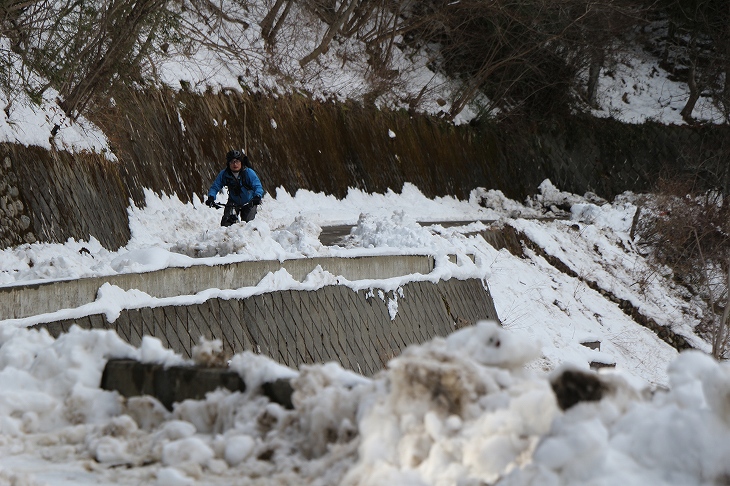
(232, 213)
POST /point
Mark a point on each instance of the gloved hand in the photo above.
(256, 200)
(210, 202)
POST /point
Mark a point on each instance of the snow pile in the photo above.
(677, 436)
(456, 410)
(594, 244)
(42, 122)
(398, 231)
(476, 407)
(168, 232)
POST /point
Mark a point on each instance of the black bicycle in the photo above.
(233, 213)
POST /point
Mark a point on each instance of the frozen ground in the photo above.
(495, 418)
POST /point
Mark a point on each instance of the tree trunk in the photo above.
(719, 342)
(361, 16)
(594, 72)
(694, 95)
(726, 93)
(342, 15)
(267, 24)
(726, 65)
(280, 21)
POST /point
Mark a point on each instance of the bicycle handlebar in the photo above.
(238, 206)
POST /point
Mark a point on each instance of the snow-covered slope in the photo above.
(231, 55)
(475, 408)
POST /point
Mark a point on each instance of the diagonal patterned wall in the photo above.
(334, 323)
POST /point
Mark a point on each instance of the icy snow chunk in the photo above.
(301, 236)
(399, 230)
(488, 344)
(110, 446)
(257, 369)
(188, 450)
(716, 385)
(170, 476)
(496, 200)
(694, 375)
(153, 351)
(148, 259)
(327, 398)
(177, 429)
(112, 299)
(147, 411)
(553, 199)
(580, 448)
(209, 353)
(685, 378)
(238, 449)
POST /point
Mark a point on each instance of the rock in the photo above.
(24, 222)
(597, 365)
(592, 344)
(574, 386)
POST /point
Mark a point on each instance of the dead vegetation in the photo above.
(535, 58)
(688, 231)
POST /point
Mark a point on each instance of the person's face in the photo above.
(235, 165)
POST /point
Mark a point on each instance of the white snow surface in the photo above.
(473, 408)
(634, 89)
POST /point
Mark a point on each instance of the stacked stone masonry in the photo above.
(16, 224)
(335, 323)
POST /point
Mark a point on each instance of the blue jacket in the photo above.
(241, 190)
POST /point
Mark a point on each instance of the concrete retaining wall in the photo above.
(336, 323)
(19, 301)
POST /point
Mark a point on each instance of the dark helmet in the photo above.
(234, 154)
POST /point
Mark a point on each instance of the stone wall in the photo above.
(58, 195)
(16, 223)
(607, 157)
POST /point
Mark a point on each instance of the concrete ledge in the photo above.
(18, 301)
(177, 383)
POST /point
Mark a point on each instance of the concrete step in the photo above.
(174, 384)
(24, 300)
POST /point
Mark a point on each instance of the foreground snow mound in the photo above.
(460, 411)
(456, 410)
(679, 436)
